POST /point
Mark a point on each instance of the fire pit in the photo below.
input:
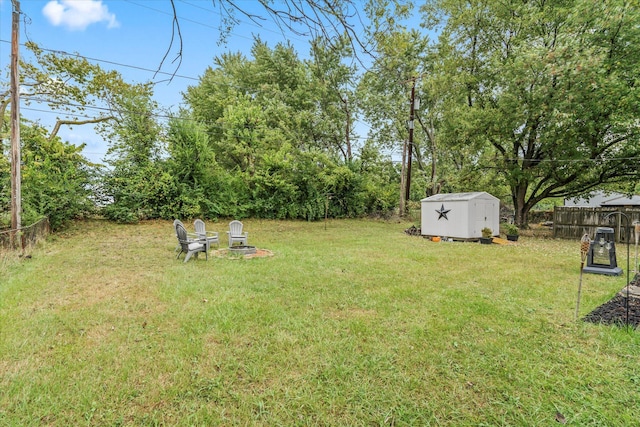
(242, 250)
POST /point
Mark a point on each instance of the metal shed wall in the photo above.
(460, 215)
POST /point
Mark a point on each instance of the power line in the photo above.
(106, 61)
(155, 71)
(221, 127)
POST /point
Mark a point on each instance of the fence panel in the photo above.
(571, 222)
(28, 235)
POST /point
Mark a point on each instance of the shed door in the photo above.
(483, 215)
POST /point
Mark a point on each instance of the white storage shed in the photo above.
(460, 215)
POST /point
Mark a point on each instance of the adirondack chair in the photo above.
(235, 233)
(191, 236)
(208, 237)
(189, 245)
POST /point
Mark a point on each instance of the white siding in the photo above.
(460, 215)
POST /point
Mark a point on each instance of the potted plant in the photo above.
(512, 232)
(487, 236)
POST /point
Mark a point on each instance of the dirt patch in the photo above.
(225, 253)
(617, 309)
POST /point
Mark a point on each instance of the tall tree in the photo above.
(331, 20)
(545, 94)
(333, 80)
(385, 94)
(57, 180)
(278, 130)
(134, 179)
(81, 93)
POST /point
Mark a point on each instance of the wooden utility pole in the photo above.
(407, 188)
(16, 196)
(402, 210)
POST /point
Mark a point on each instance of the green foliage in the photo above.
(136, 186)
(132, 194)
(279, 153)
(510, 229)
(531, 101)
(191, 158)
(542, 94)
(57, 180)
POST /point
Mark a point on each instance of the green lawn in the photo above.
(350, 323)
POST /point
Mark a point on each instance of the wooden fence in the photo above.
(27, 236)
(570, 222)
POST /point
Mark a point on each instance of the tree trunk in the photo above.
(520, 206)
(347, 130)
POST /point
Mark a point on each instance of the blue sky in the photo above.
(132, 37)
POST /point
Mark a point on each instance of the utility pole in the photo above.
(402, 210)
(16, 196)
(407, 189)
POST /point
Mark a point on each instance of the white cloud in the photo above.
(77, 15)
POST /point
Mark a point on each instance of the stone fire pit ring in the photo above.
(243, 250)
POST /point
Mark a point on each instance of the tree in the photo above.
(135, 187)
(81, 92)
(330, 20)
(543, 94)
(281, 135)
(385, 94)
(57, 180)
(333, 83)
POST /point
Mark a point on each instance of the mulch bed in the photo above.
(614, 311)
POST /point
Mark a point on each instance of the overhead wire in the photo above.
(168, 117)
(119, 64)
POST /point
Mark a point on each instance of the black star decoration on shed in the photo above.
(442, 213)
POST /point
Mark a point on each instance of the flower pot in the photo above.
(512, 237)
(486, 240)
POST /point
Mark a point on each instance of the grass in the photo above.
(349, 323)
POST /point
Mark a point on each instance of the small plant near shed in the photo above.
(487, 236)
(511, 229)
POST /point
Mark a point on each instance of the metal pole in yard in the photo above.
(627, 238)
(637, 234)
(585, 242)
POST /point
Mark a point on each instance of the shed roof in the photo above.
(622, 201)
(455, 197)
(593, 199)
